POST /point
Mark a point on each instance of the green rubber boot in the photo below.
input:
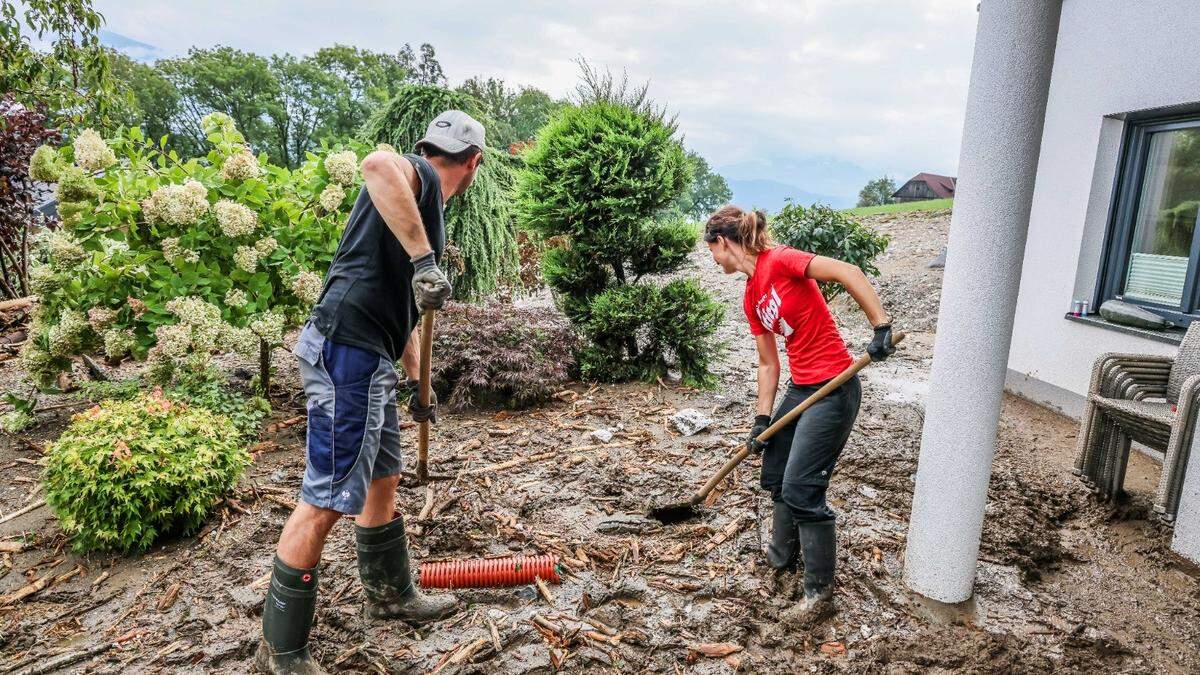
(287, 618)
(387, 577)
(781, 552)
(818, 541)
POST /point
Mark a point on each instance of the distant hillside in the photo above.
(138, 51)
(771, 195)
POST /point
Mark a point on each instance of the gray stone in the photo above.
(868, 491)
(602, 435)
(690, 421)
(627, 523)
(247, 599)
(938, 262)
(1126, 314)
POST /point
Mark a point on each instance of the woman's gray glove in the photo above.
(761, 422)
(430, 285)
(420, 413)
(881, 346)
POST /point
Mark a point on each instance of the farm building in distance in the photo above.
(926, 186)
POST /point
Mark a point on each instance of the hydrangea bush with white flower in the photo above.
(173, 259)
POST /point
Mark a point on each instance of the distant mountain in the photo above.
(138, 51)
(771, 195)
(833, 181)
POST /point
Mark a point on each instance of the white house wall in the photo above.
(1112, 57)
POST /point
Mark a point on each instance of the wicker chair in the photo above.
(1149, 399)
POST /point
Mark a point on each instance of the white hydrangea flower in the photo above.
(217, 121)
(191, 255)
(91, 152)
(236, 298)
(266, 246)
(239, 340)
(235, 219)
(118, 343)
(101, 318)
(44, 165)
(113, 247)
(307, 286)
(171, 248)
(177, 204)
(172, 341)
(65, 251)
(66, 337)
(241, 165)
(246, 257)
(342, 167)
(269, 327)
(332, 197)
(42, 280)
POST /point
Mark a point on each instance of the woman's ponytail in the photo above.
(746, 228)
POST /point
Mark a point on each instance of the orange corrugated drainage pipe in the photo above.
(490, 572)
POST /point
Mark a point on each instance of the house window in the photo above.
(1152, 257)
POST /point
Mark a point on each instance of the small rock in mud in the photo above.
(247, 599)
(602, 435)
(627, 523)
(690, 421)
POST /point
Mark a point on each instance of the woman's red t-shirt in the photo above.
(782, 299)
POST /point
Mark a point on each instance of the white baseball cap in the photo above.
(454, 131)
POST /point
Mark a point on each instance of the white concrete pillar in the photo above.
(1002, 135)
(1186, 540)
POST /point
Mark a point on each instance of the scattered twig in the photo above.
(20, 512)
(63, 660)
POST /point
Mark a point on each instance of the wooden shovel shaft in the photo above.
(423, 394)
(787, 419)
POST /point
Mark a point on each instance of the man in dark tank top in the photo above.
(383, 276)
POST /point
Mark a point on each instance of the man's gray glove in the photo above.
(761, 422)
(430, 285)
(420, 413)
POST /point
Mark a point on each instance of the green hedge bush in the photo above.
(125, 473)
(831, 233)
(594, 183)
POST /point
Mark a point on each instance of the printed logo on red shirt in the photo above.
(767, 309)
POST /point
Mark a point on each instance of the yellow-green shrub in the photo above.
(127, 472)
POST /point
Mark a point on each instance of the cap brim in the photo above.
(445, 143)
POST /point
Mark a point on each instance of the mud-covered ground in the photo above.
(1064, 584)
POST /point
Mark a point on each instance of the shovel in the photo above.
(679, 511)
(423, 395)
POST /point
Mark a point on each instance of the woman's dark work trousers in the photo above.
(798, 460)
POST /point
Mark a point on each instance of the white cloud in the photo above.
(881, 83)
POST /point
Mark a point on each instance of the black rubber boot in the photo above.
(781, 552)
(287, 617)
(387, 578)
(818, 541)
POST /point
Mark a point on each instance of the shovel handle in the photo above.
(788, 418)
(423, 395)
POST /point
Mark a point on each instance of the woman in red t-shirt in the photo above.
(782, 299)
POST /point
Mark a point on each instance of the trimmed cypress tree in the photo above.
(479, 222)
(595, 179)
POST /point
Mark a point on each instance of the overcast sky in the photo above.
(764, 84)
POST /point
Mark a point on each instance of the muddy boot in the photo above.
(818, 541)
(781, 552)
(287, 618)
(387, 579)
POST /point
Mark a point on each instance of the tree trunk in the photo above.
(264, 367)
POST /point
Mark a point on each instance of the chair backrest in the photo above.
(1187, 362)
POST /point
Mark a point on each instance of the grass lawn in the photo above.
(930, 205)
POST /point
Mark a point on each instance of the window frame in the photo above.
(1118, 239)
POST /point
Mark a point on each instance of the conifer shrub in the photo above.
(479, 222)
(126, 473)
(595, 181)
